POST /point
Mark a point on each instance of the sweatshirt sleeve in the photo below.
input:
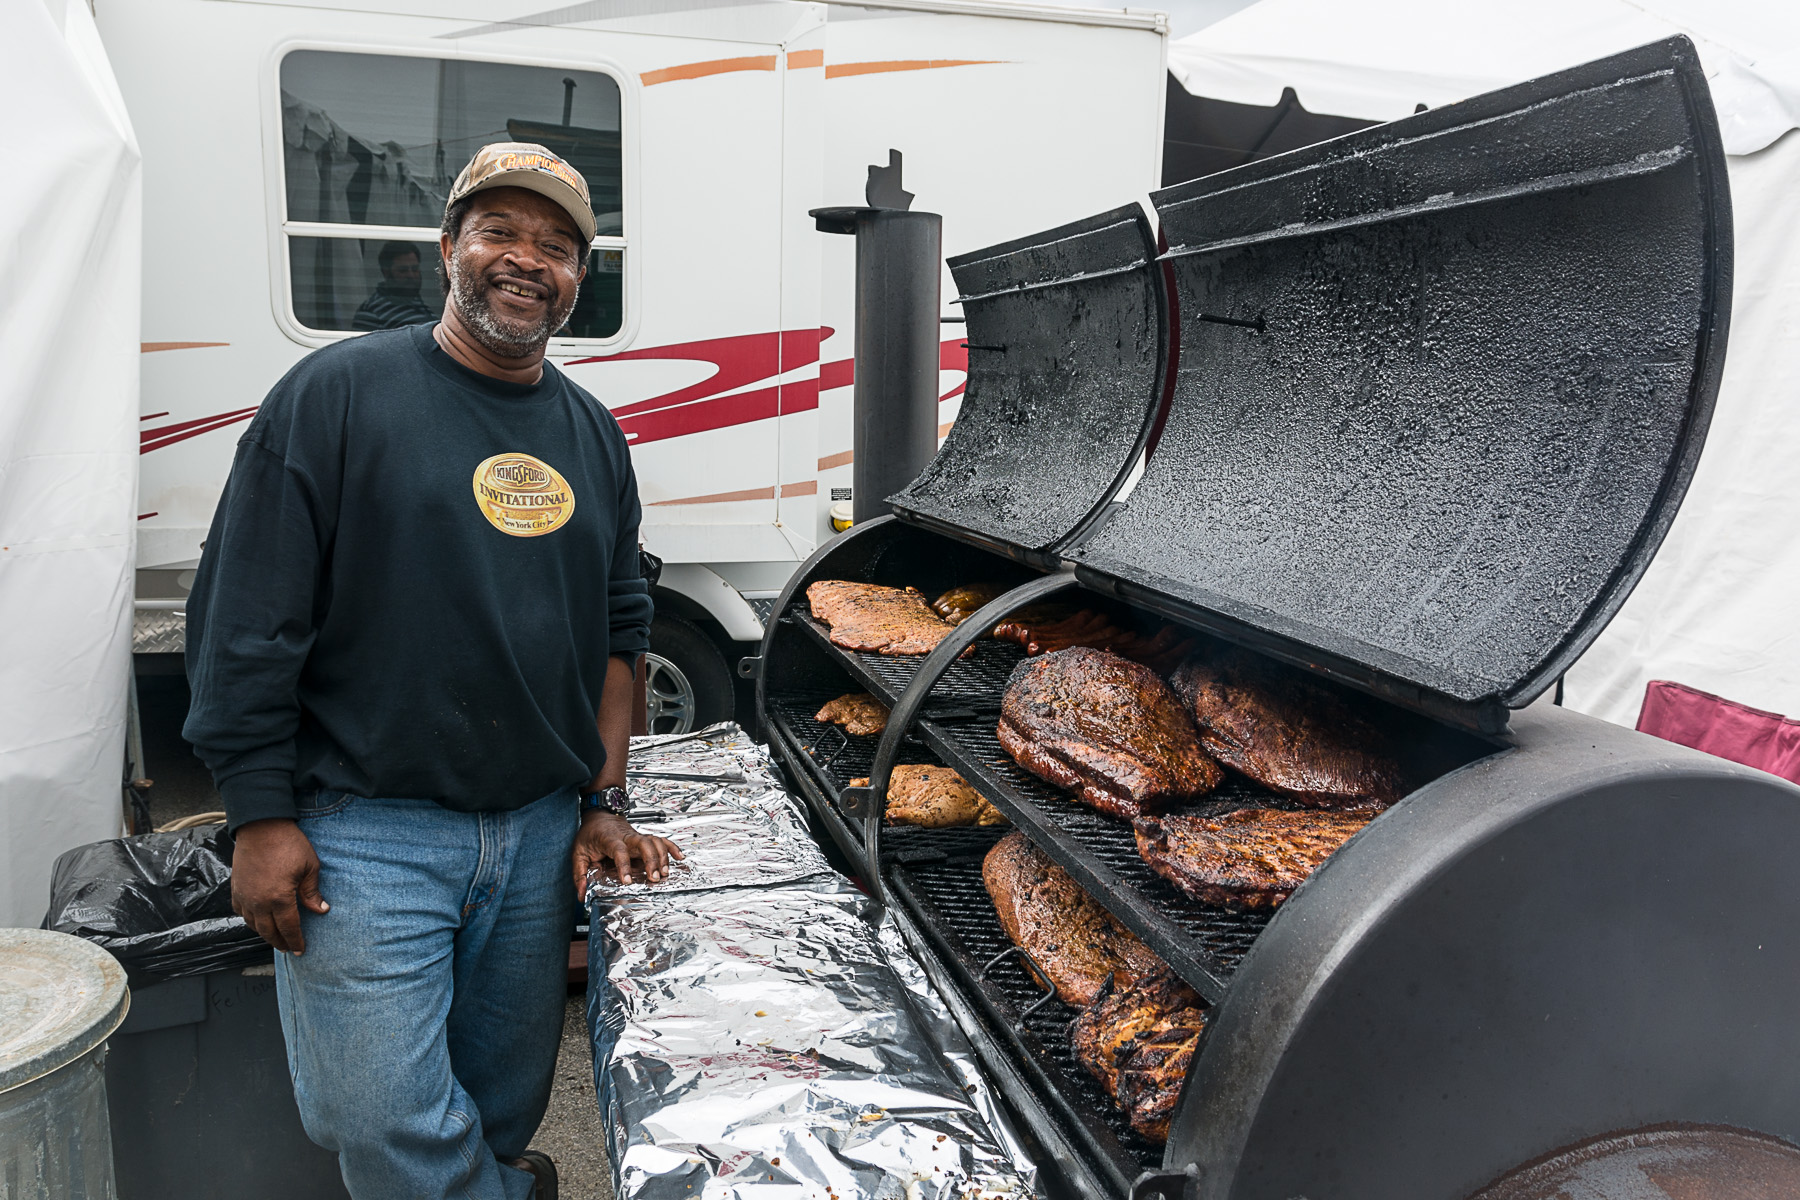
(251, 622)
(628, 604)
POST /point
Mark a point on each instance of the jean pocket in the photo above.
(322, 803)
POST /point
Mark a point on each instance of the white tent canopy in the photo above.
(1717, 608)
(68, 443)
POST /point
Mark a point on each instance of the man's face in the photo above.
(404, 271)
(514, 270)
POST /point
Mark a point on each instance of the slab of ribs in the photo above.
(1076, 941)
(1288, 733)
(867, 616)
(1248, 858)
(934, 797)
(858, 712)
(1106, 728)
(1139, 1041)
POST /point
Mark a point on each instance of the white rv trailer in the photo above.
(296, 157)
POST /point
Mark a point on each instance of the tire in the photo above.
(689, 686)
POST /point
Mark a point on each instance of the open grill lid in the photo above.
(1067, 349)
(1474, 358)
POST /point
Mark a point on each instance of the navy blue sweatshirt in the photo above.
(412, 585)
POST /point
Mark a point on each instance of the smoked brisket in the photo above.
(1106, 728)
(1076, 942)
(1246, 858)
(1287, 732)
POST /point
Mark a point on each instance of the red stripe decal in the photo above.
(168, 435)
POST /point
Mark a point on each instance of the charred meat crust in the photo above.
(1076, 941)
(1138, 1042)
(1106, 728)
(1288, 733)
(1247, 858)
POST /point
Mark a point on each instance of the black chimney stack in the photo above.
(898, 275)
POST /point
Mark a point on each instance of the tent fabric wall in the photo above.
(1715, 611)
(70, 249)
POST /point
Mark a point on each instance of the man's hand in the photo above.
(273, 872)
(609, 838)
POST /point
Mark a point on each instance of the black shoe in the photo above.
(543, 1169)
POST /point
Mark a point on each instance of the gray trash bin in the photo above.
(202, 1105)
(59, 999)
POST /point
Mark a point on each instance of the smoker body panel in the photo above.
(1592, 931)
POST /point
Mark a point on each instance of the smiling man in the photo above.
(410, 642)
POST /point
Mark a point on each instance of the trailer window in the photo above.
(370, 146)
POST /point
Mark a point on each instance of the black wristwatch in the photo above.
(608, 799)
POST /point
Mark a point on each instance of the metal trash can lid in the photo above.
(59, 998)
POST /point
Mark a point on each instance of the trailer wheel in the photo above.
(688, 685)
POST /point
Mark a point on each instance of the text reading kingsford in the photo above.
(521, 495)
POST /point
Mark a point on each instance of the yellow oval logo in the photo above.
(522, 495)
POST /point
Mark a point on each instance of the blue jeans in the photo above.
(422, 1022)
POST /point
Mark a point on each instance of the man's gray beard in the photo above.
(508, 341)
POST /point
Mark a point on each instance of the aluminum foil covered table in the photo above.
(755, 1033)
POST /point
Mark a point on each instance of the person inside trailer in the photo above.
(395, 302)
(411, 642)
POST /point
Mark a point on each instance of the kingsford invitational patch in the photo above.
(522, 495)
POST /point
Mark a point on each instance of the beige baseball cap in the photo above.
(532, 167)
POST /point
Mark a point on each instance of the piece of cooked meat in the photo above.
(1150, 1080)
(858, 712)
(1104, 1036)
(935, 798)
(1043, 632)
(1106, 728)
(960, 603)
(1287, 732)
(1076, 942)
(1246, 858)
(867, 616)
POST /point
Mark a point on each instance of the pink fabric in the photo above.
(1677, 713)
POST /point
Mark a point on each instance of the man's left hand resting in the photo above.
(606, 839)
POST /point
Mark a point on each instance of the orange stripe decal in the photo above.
(837, 460)
(767, 493)
(945, 428)
(153, 347)
(838, 70)
(805, 58)
(699, 70)
(809, 488)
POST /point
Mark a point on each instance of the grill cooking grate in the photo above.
(1223, 935)
(955, 909)
(838, 756)
(834, 758)
(979, 678)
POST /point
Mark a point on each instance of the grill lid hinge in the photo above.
(750, 667)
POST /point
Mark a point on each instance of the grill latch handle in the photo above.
(1168, 1185)
(857, 802)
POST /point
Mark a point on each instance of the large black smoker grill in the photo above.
(1441, 386)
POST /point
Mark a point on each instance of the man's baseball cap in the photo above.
(532, 167)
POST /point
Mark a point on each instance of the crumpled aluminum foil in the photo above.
(738, 827)
(754, 1040)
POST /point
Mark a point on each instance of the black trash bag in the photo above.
(160, 903)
